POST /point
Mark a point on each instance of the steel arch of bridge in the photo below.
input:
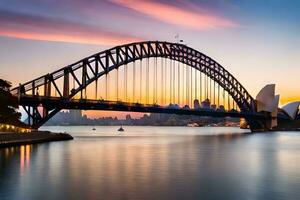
(97, 65)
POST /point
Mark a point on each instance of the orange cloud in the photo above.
(176, 15)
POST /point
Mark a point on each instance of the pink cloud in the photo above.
(38, 28)
(177, 15)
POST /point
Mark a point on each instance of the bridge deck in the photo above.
(86, 104)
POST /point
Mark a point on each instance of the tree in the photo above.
(8, 105)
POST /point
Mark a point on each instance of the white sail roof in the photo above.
(274, 105)
(291, 109)
(266, 100)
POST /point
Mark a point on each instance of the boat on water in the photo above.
(121, 129)
(192, 125)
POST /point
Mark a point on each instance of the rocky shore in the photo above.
(16, 139)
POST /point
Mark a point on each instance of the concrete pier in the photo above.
(16, 139)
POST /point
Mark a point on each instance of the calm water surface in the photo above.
(154, 163)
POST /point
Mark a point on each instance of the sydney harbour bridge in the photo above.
(151, 76)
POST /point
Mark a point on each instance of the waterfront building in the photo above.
(291, 109)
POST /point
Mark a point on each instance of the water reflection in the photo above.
(21, 152)
(24, 157)
(228, 166)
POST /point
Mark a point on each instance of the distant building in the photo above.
(76, 115)
(186, 107)
(221, 108)
(205, 104)
(155, 116)
(173, 106)
(128, 117)
(214, 107)
(196, 104)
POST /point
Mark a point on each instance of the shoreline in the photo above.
(18, 139)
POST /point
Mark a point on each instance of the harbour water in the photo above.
(154, 163)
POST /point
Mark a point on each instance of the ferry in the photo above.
(121, 129)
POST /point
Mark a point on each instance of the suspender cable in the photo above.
(196, 84)
(207, 86)
(183, 76)
(183, 84)
(210, 92)
(165, 80)
(96, 82)
(214, 92)
(174, 64)
(141, 83)
(162, 81)
(171, 79)
(201, 85)
(126, 82)
(156, 82)
(133, 83)
(187, 86)
(191, 87)
(170, 65)
(105, 86)
(218, 95)
(206, 89)
(147, 81)
(228, 101)
(178, 82)
(96, 89)
(117, 84)
(224, 103)
(172, 82)
(233, 104)
(172, 69)
(155, 88)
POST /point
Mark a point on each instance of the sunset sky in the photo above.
(257, 41)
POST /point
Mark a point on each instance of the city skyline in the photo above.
(257, 42)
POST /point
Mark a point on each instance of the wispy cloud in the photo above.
(177, 15)
(26, 26)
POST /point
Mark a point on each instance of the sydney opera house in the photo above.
(286, 116)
